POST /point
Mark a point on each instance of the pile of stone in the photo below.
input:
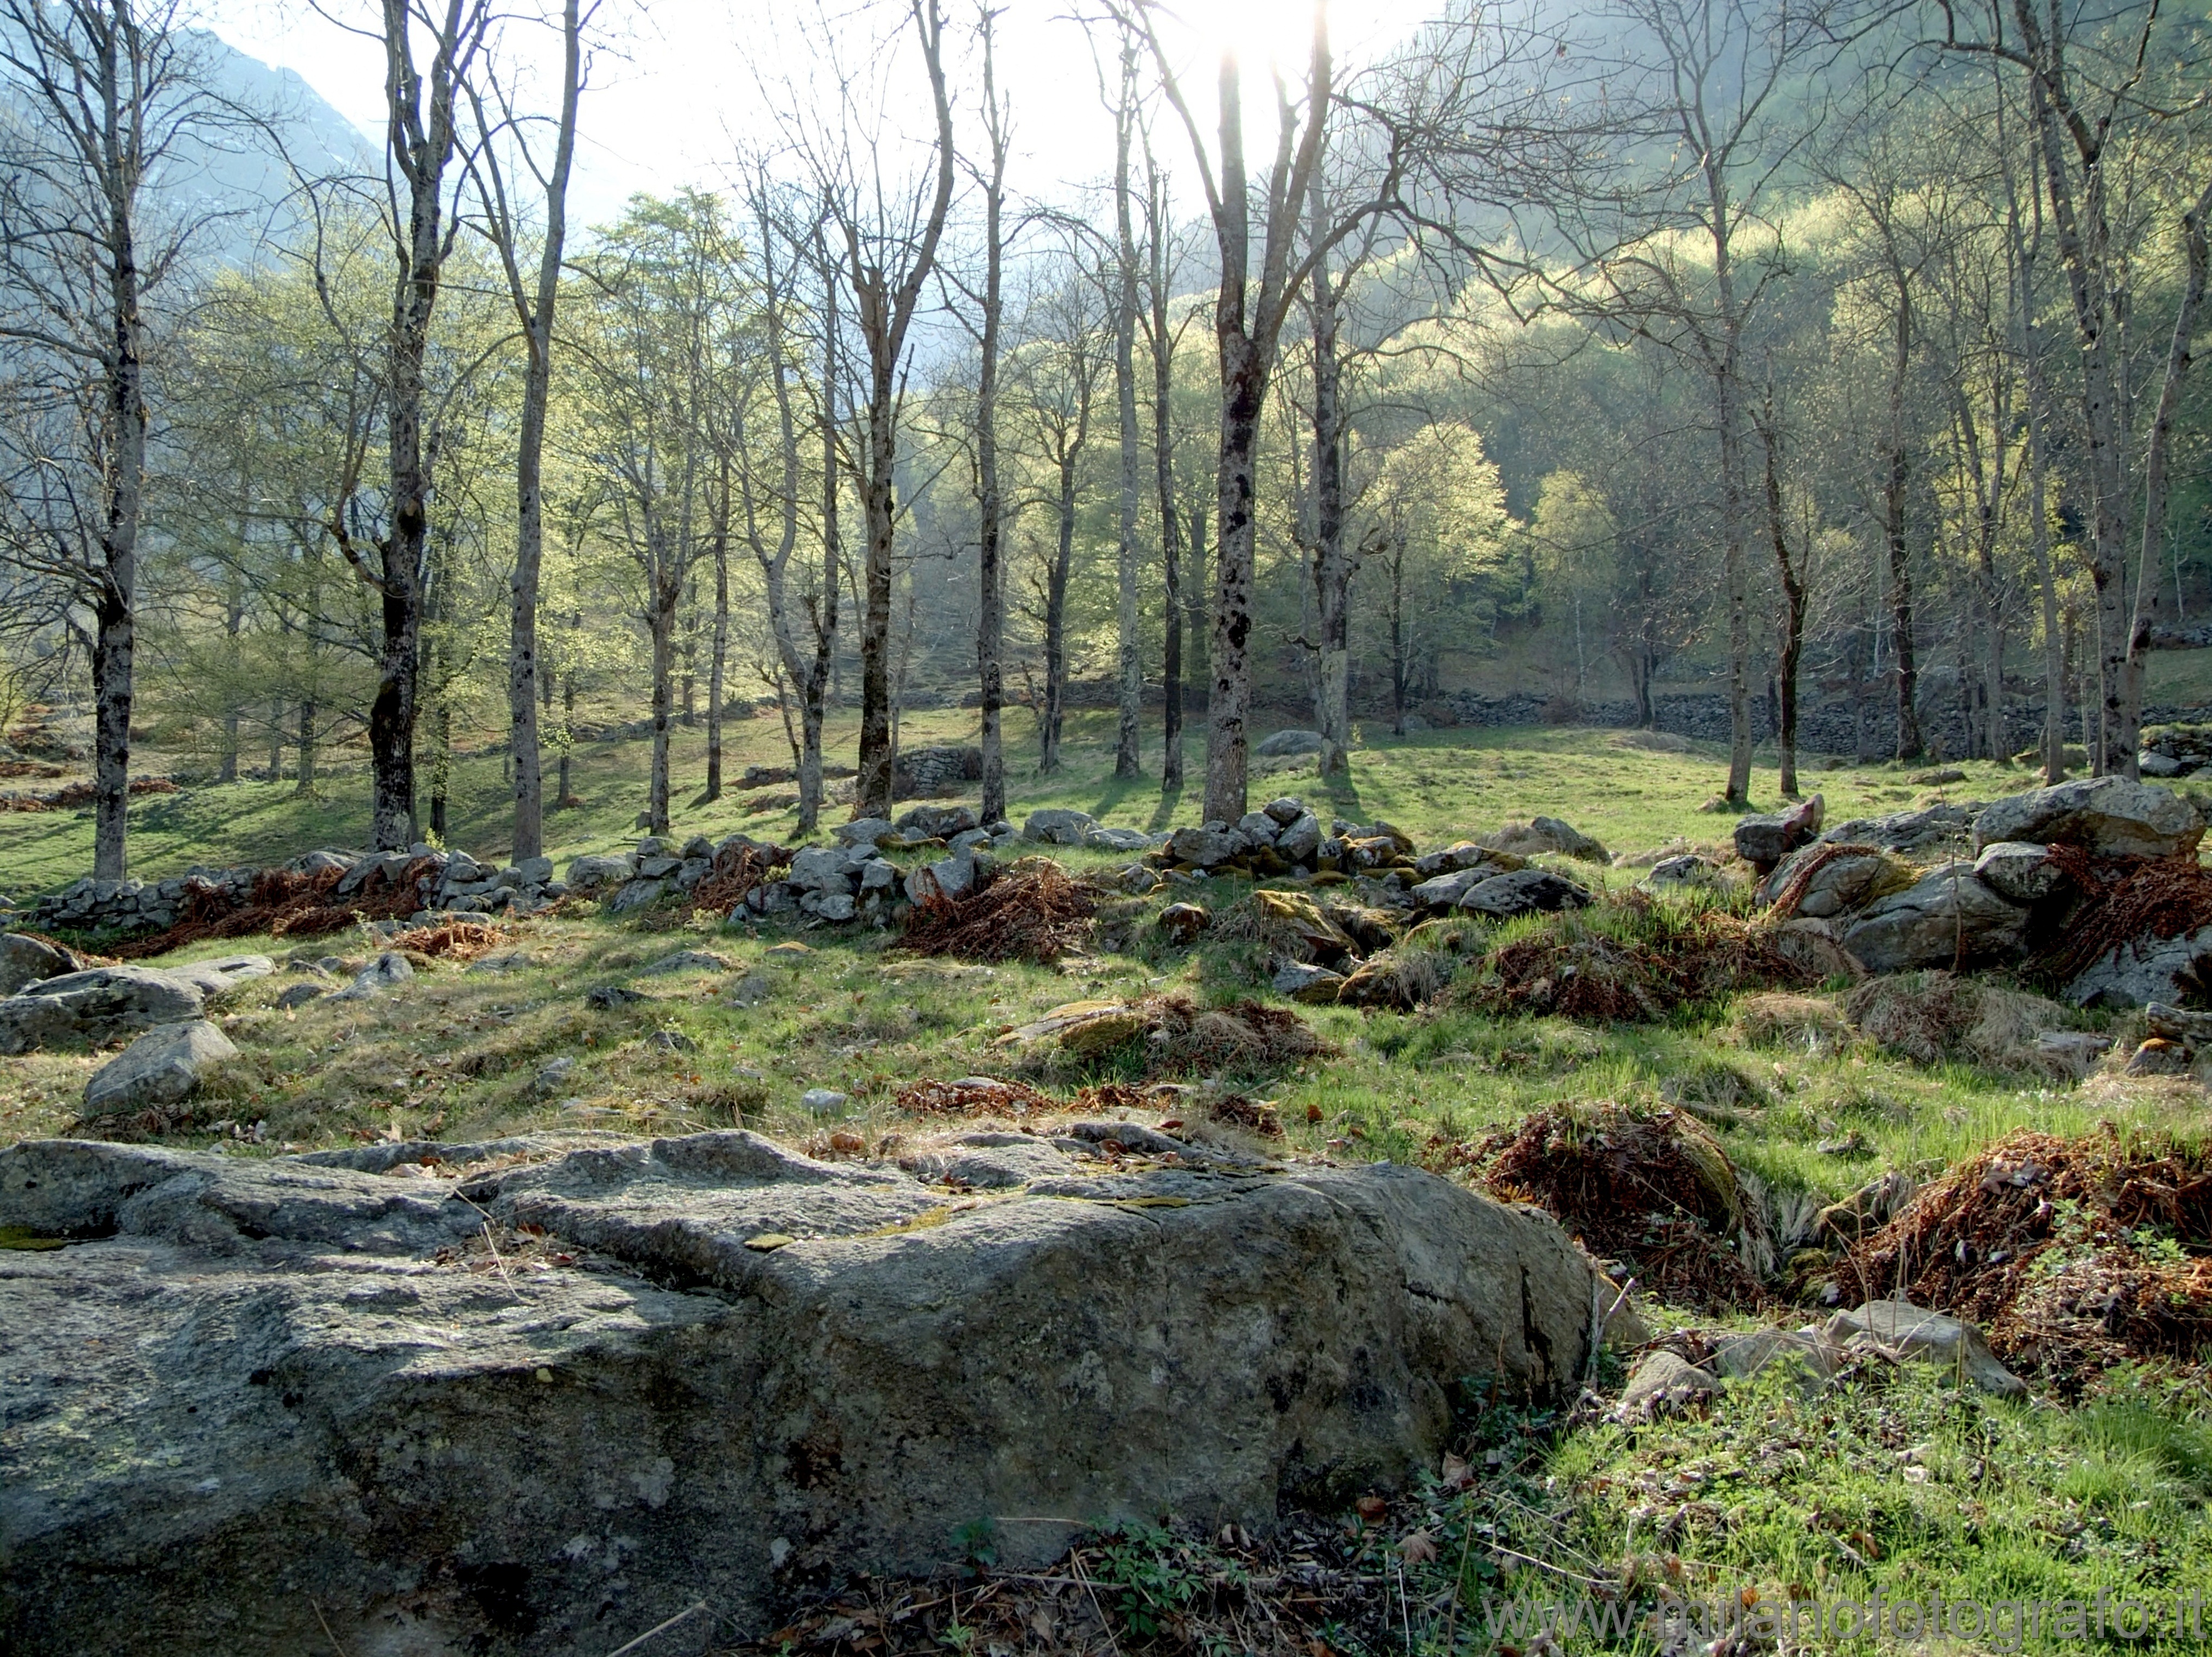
(1993, 904)
(2176, 751)
(447, 884)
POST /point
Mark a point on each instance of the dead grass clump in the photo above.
(1805, 1024)
(2072, 1255)
(972, 1096)
(1254, 1115)
(1244, 1039)
(1651, 1188)
(457, 941)
(1931, 1017)
(1113, 1098)
(1634, 960)
(737, 871)
(1033, 911)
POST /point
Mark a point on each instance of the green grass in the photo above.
(1436, 786)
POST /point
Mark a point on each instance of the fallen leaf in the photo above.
(1419, 1547)
(768, 1241)
(1313, 1112)
(1457, 1474)
(1371, 1506)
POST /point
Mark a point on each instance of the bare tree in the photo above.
(1129, 682)
(890, 241)
(420, 144)
(1160, 340)
(104, 93)
(534, 314)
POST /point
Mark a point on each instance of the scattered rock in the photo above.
(1057, 826)
(1543, 834)
(388, 972)
(1181, 923)
(1523, 892)
(1206, 847)
(1302, 981)
(672, 1041)
(554, 1075)
(163, 1067)
(25, 960)
(1766, 839)
(1685, 871)
(2073, 1053)
(588, 875)
(299, 994)
(2107, 816)
(1663, 1383)
(605, 997)
(825, 1102)
(1907, 1333)
(1286, 744)
(1943, 777)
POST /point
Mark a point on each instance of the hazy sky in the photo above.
(676, 85)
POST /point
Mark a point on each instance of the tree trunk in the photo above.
(990, 528)
(1229, 699)
(1163, 343)
(112, 644)
(2127, 738)
(718, 669)
(1129, 657)
(1332, 569)
(1910, 745)
(663, 653)
(566, 796)
(306, 784)
(1793, 613)
(1056, 622)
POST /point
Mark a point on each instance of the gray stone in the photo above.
(1285, 745)
(1807, 1355)
(25, 960)
(341, 1432)
(2133, 974)
(163, 1067)
(654, 845)
(672, 1041)
(1843, 881)
(1258, 828)
(823, 868)
(1948, 916)
(1302, 981)
(829, 905)
(634, 895)
(605, 997)
(878, 874)
(1059, 827)
(938, 822)
(386, 973)
(825, 1102)
(1117, 839)
(2107, 816)
(299, 996)
(1300, 839)
(2072, 1053)
(1683, 872)
(215, 979)
(590, 875)
(1543, 834)
(96, 1006)
(1285, 810)
(948, 878)
(1206, 847)
(1461, 855)
(869, 831)
(1444, 891)
(2160, 765)
(1906, 830)
(535, 871)
(1766, 839)
(1905, 1332)
(658, 868)
(1664, 1383)
(2020, 872)
(1523, 892)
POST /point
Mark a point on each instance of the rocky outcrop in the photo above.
(25, 960)
(2106, 816)
(286, 1402)
(1766, 839)
(105, 1004)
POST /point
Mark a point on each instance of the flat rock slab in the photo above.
(271, 1394)
(163, 1067)
(105, 1003)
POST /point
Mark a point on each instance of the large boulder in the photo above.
(296, 1406)
(1057, 826)
(1825, 881)
(590, 875)
(1206, 847)
(1946, 916)
(25, 960)
(1288, 745)
(2106, 816)
(1543, 834)
(163, 1067)
(104, 1003)
(1932, 829)
(1523, 892)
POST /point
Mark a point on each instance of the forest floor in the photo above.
(1893, 1480)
